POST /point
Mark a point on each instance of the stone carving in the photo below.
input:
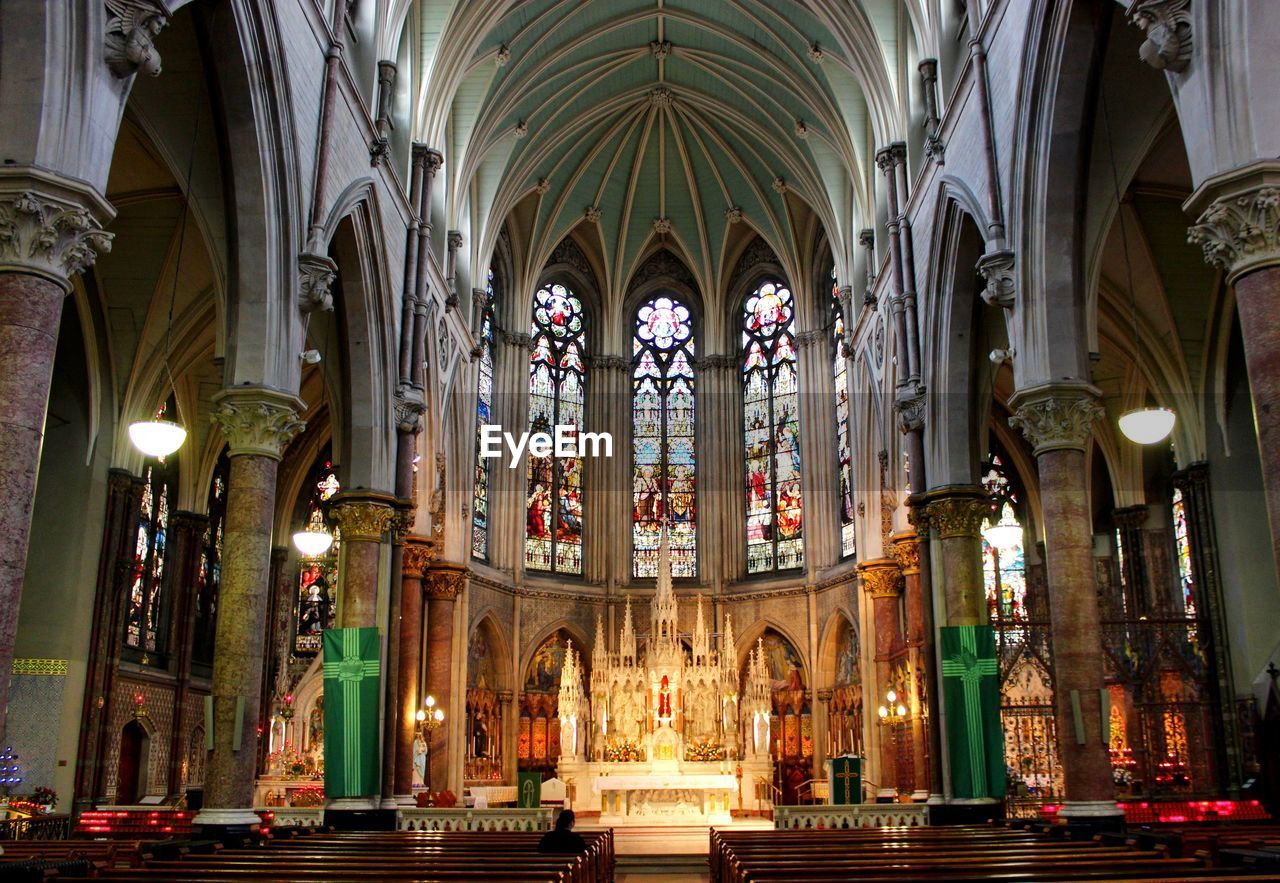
(257, 421)
(362, 518)
(881, 579)
(315, 282)
(1240, 232)
(443, 583)
(542, 187)
(802, 129)
(996, 270)
(502, 56)
(959, 515)
(409, 408)
(806, 339)
(733, 214)
(910, 403)
(521, 129)
(884, 159)
(438, 494)
(403, 518)
(906, 552)
(434, 159)
(609, 363)
(48, 238)
(132, 27)
(662, 226)
(815, 51)
(418, 555)
(1167, 24)
(1062, 421)
(779, 184)
(660, 49)
(591, 213)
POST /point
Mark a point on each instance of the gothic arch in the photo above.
(486, 623)
(828, 645)
(747, 642)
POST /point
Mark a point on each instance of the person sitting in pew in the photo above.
(561, 840)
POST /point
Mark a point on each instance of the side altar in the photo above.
(669, 732)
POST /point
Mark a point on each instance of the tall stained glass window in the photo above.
(557, 381)
(143, 624)
(844, 453)
(1004, 568)
(662, 421)
(1182, 544)
(316, 609)
(209, 579)
(484, 414)
(771, 427)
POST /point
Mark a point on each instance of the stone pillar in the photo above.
(363, 517)
(48, 235)
(955, 514)
(1057, 419)
(1239, 228)
(418, 553)
(258, 423)
(882, 581)
(905, 549)
(441, 585)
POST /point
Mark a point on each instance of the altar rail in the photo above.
(292, 817)
(56, 827)
(470, 819)
(854, 815)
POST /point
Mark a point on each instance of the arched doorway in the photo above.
(131, 779)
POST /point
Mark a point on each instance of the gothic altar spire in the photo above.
(701, 642)
(663, 629)
(627, 639)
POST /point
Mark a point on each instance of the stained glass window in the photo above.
(484, 414)
(143, 628)
(662, 421)
(557, 381)
(1182, 542)
(771, 428)
(1004, 569)
(316, 608)
(844, 453)
(209, 579)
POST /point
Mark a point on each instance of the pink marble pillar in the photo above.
(882, 581)
(906, 552)
(47, 239)
(258, 424)
(442, 585)
(418, 553)
(1057, 420)
(363, 517)
(955, 515)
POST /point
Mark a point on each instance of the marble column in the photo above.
(418, 553)
(1238, 226)
(882, 581)
(905, 548)
(258, 423)
(955, 515)
(46, 237)
(441, 584)
(363, 517)
(1057, 420)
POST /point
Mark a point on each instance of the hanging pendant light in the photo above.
(1004, 534)
(315, 539)
(1147, 426)
(157, 438)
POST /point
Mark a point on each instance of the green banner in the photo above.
(351, 692)
(530, 793)
(846, 779)
(971, 688)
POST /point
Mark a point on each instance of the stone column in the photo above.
(258, 424)
(882, 581)
(1057, 419)
(441, 585)
(47, 235)
(955, 514)
(418, 553)
(363, 517)
(905, 549)
(1239, 228)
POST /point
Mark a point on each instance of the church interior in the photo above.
(782, 432)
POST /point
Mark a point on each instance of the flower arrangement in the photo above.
(288, 761)
(44, 796)
(622, 751)
(704, 750)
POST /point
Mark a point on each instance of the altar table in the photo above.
(643, 799)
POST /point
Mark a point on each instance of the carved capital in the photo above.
(419, 552)
(905, 548)
(909, 403)
(316, 273)
(884, 159)
(49, 236)
(1056, 417)
(958, 512)
(454, 238)
(1240, 230)
(806, 339)
(402, 520)
(362, 516)
(1167, 24)
(443, 583)
(258, 421)
(881, 578)
(432, 160)
(935, 149)
(132, 27)
(409, 408)
(996, 270)
(517, 339)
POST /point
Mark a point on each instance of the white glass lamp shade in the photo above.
(1004, 534)
(157, 438)
(312, 543)
(1147, 426)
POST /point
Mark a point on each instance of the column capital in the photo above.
(443, 582)
(997, 271)
(905, 549)
(258, 420)
(363, 516)
(409, 408)
(909, 402)
(1056, 416)
(50, 226)
(419, 552)
(957, 511)
(881, 578)
(402, 520)
(316, 273)
(1238, 218)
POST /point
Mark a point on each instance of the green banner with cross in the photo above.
(971, 689)
(351, 693)
(846, 779)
